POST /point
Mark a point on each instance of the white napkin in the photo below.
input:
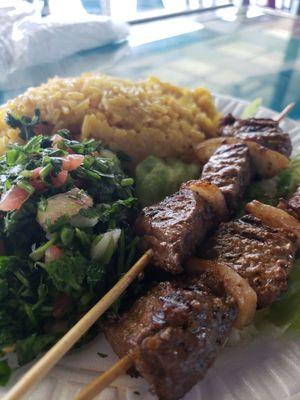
(26, 39)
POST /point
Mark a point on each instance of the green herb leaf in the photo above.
(67, 273)
(39, 253)
(105, 212)
(31, 346)
(65, 133)
(25, 124)
(289, 179)
(284, 312)
(5, 372)
(252, 108)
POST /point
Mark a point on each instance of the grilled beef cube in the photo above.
(230, 169)
(174, 332)
(259, 253)
(173, 227)
(265, 132)
(292, 205)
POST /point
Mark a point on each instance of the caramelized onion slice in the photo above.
(274, 217)
(267, 162)
(212, 194)
(238, 287)
(206, 149)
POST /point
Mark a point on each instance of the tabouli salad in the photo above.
(65, 216)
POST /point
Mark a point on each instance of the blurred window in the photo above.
(138, 10)
(132, 10)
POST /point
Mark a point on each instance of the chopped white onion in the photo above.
(105, 246)
(80, 221)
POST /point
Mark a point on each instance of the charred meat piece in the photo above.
(174, 332)
(263, 131)
(267, 163)
(259, 253)
(173, 227)
(213, 195)
(234, 284)
(292, 205)
(229, 168)
(275, 217)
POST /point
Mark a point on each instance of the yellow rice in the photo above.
(139, 118)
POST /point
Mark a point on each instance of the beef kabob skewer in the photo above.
(173, 227)
(173, 333)
(226, 174)
(266, 141)
(245, 301)
(41, 368)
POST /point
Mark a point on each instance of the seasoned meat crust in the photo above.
(230, 169)
(174, 332)
(265, 132)
(173, 227)
(260, 254)
(292, 205)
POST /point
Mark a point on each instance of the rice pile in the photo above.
(139, 118)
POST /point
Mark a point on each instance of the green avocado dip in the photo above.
(156, 178)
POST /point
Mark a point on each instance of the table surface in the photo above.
(246, 53)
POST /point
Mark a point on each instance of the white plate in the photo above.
(263, 368)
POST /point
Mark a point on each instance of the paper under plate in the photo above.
(262, 368)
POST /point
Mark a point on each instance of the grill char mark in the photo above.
(263, 131)
(173, 227)
(230, 169)
(261, 254)
(174, 332)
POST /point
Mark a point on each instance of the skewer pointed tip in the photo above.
(101, 382)
(285, 112)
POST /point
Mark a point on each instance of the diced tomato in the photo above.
(36, 172)
(43, 128)
(37, 184)
(60, 179)
(61, 305)
(72, 162)
(35, 181)
(53, 253)
(13, 199)
(56, 139)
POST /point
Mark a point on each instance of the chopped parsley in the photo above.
(25, 124)
(66, 243)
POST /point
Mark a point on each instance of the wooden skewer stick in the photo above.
(43, 366)
(285, 112)
(100, 383)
